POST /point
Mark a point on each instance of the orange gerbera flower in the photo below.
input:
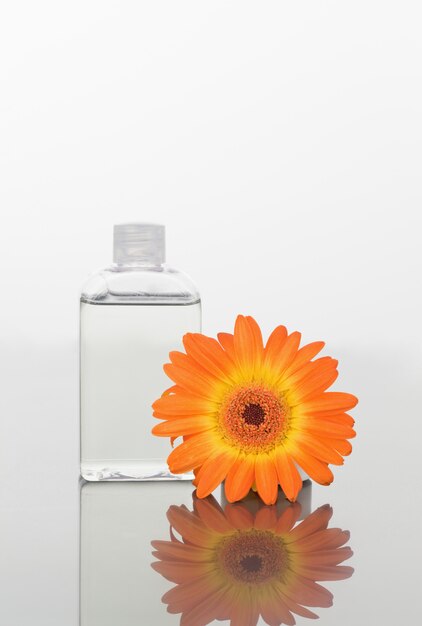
(251, 414)
(233, 565)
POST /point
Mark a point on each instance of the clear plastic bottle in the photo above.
(132, 314)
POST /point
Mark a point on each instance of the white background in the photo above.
(280, 143)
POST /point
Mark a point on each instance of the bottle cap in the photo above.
(139, 243)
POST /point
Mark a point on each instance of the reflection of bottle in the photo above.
(118, 522)
(247, 560)
(132, 315)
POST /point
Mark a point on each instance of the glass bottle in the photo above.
(132, 315)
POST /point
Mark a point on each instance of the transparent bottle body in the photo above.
(130, 319)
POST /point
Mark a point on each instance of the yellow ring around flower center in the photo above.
(254, 418)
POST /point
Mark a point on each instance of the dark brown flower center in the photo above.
(253, 414)
(252, 563)
(254, 556)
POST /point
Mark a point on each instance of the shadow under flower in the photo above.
(245, 560)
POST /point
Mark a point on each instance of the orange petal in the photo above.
(317, 448)
(292, 381)
(305, 354)
(318, 520)
(266, 518)
(287, 474)
(337, 418)
(273, 607)
(212, 515)
(181, 571)
(198, 472)
(205, 608)
(328, 557)
(266, 478)
(336, 572)
(226, 605)
(194, 382)
(240, 478)
(191, 453)
(287, 353)
(227, 342)
(209, 354)
(180, 551)
(330, 400)
(325, 429)
(182, 404)
(189, 594)
(275, 343)
(239, 517)
(308, 592)
(321, 375)
(195, 480)
(326, 539)
(247, 345)
(186, 362)
(215, 470)
(298, 609)
(187, 524)
(317, 470)
(183, 426)
(342, 446)
(257, 336)
(288, 518)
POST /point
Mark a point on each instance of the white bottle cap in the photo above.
(139, 244)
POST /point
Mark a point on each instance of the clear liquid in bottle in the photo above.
(132, 315)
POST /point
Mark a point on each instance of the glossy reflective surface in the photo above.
(47, 539)
(154, 553)
(151, 553)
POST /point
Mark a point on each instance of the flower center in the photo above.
(253, 556)
(254, 418)
(251, 563)
(253, 414)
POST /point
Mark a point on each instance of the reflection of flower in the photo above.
(233, 565)
(250, 414)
